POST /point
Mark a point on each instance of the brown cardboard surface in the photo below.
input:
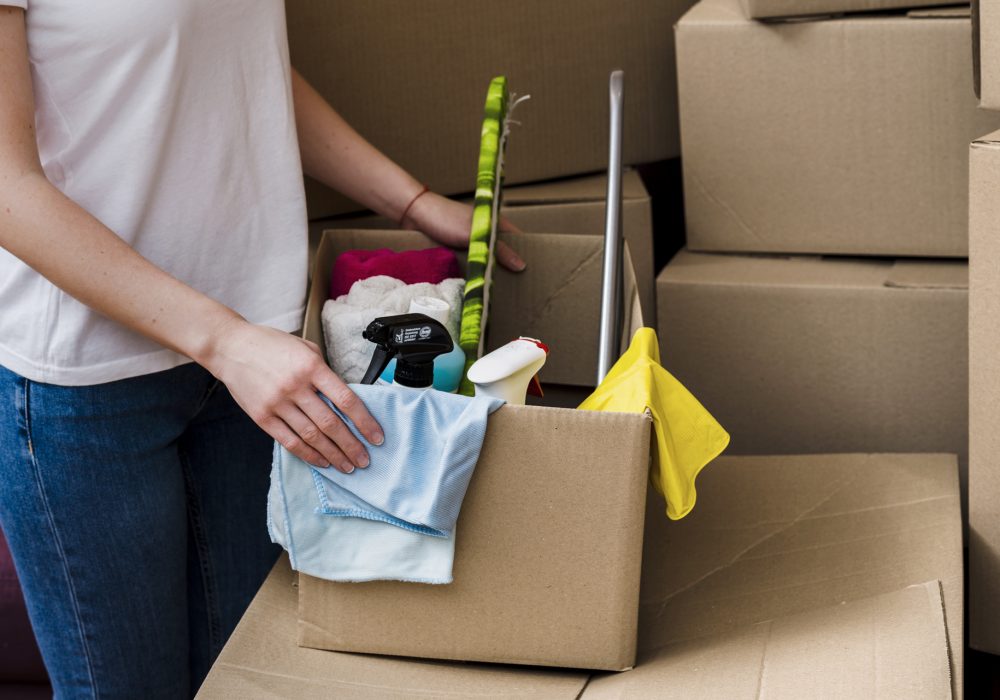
(799, 355)
(889, 646)
(556, 299)
(547, 555)
(988, 35)
(771, 539)
(984, 395)
(763, 9)
(262, 660)
(575, 205)
(840, 136)
(412, 79)
(773, 536)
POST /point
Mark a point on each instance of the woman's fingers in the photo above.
(508, 226)
(505, 255)
(310, 435)
(509, 259)
(333, 387)
(287, 438)
(274, 378)
(331, 426)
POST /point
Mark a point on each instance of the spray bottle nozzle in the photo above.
(414, 340)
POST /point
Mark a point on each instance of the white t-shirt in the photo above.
(171, 121)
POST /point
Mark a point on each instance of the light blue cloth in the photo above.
(396, 518)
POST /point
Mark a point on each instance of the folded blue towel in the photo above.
(396, 518)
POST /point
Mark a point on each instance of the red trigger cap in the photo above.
(537, 342)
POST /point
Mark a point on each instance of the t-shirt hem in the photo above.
(121, 368)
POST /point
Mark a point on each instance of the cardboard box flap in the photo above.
(262, 660)
(573, 190)
(774, 271)
(991, 140)
(814, 271)
(773, 536)
(714, 12)
(821, 9)
(940, 274)
(951, 12)
(892, 645)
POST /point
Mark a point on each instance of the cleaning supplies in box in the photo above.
(509, 371)
(396, 518)
(448, 367)
(345, 318)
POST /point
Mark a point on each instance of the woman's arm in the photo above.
(337, 155)
(272, 375)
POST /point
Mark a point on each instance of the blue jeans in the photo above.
(135, 512)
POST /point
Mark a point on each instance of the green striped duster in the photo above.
(484, 226)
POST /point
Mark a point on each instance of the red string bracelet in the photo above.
(406, 211)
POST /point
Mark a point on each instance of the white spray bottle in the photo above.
(506, 372)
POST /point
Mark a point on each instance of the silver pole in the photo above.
(611, 282)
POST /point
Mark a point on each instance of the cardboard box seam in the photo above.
(665, 279)
(742, 557)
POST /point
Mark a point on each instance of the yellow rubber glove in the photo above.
(687, 436)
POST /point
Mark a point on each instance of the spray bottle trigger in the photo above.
(380, 360)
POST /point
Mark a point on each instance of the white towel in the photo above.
(345, 317)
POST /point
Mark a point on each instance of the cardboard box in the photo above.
(412, 79)
(984, 394)
(840, 136)
(556, 299)
(986, 52)
(529, 587)
(797, 355)
(768, 9)
(575, 206)
(806, 573)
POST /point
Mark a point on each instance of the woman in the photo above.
(151, 214)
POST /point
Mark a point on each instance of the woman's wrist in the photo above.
(212, 345)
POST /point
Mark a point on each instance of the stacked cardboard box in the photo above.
(843, 136)
(822, 302)
(411, 78)
(984, 394)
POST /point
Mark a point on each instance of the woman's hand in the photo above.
(274, 377)
(448, 222)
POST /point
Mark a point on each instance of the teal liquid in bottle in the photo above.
(448, 368)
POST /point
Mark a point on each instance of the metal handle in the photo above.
(611, 281)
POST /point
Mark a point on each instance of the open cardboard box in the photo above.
(550, 537)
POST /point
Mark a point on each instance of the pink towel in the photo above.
(433, 265)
